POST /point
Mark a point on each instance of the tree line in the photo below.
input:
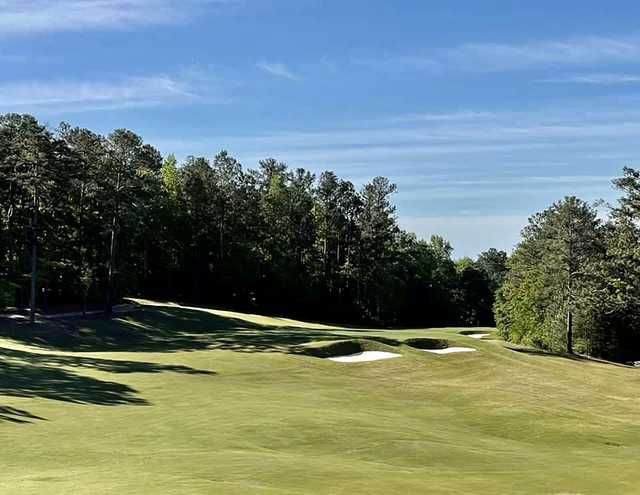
(86, 219)
(573, 283)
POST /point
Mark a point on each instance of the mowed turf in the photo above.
(178, 400)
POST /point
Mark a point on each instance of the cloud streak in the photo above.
(42, 16)
(498, 134)
(277, 69)
(603, 79)
(500, 57)
(79, 96)
(440, 117)
(575, 51)
(462, 155)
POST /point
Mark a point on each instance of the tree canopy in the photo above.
(574, 280)
(114, 219)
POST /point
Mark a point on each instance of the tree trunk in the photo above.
(569, 332)
(145, 263)
(112, 256)
(12, 259)
(112, 252)
(34, 249)
(81, 246)
(34, 273)
(221, 243)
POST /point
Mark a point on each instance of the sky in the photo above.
(481, 112)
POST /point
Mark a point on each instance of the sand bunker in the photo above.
(450, 350)
(364, 356)
(478, 335)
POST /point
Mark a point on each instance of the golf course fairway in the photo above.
(182, 400)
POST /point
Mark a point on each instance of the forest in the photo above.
(87, 219)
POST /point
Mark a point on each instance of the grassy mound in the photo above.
(347, 347)
(476, 331)
(425, 343)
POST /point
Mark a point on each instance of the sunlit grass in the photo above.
(190, 401)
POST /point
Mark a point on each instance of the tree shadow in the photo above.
(98, 364)
(171, 329)
(19, 379)
(51, 376)
(563, 355)
(167, 328)
(14, 415)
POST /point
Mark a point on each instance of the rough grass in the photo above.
(187, 401)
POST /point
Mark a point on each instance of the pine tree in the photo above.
(554, 276)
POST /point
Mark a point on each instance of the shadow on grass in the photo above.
(20, 379)
(158, 329)
(563, 355)
(13, 415)
(107, 365)
(50, 376)
(171, 329)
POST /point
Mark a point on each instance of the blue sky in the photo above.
(481, 112)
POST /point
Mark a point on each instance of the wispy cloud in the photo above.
(493, 57)
(79, 96)
(535, 151)
(595, 78)
(277, 69)
(401, 63)
(500, 132)
(441, 117)
(38, 16)
(574, 51)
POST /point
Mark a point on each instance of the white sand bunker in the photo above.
(362, 357)
(450, 350)
(478, 335)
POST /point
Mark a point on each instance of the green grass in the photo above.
(180, 401)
